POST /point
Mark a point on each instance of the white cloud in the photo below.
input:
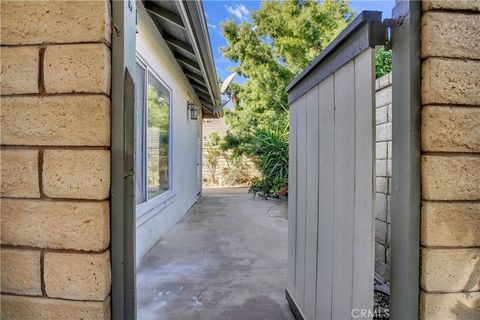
(212, 26)
(239, 11)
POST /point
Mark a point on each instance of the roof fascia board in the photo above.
(195, 25)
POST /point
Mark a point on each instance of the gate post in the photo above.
(123, 162)
(406, 160)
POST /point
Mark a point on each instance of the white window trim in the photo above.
(148, 209)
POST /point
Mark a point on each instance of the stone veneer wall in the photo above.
(55, 159)
(450, 136)
(383, 183)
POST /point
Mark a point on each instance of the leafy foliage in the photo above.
(236, 171)
(261, 187)
(383, 62)
(269, 148)
(212, 155)
(282, 38)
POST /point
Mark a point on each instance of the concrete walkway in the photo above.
(227, 260)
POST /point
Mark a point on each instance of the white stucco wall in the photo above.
(184, 143)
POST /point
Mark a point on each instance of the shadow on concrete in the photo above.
(227, 259)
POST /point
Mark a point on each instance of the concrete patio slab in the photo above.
(227, 259)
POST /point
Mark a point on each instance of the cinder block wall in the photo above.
(55, 159)
(450, 131)
(383, 176)
(219, 126)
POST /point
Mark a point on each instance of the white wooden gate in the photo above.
(331, 177)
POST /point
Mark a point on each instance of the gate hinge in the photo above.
(388, 33)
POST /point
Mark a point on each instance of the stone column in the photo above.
(55, 159)
(450, 134)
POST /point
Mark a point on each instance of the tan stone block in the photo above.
(77, 68)
(35, 308)
(381, 115)
(77, 276)
(451, 177)
(383, 132)
(450, 270)
(450, 81)
(381, 150)
(381, 206)
(19, 69)
(380, 232)
(380, 252)
(56, 120)
(383, 81)
(56, 224)
(383, 97)
(77, 174)
(449, 306)
(451, 129)
(448, 34)
(381, 168)
(381, 185)
(19, 173)
(31, 22)
(21, 271)
(473, 5)
(450, 224)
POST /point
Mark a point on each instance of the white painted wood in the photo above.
(363, 250)
(326, 198)
(301, 185)
(311, 203)
(292, 198)
(344, 192)
(331, 194)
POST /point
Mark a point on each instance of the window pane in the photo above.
(158, 125)
(140, 134)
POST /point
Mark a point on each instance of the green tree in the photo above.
(282, 38)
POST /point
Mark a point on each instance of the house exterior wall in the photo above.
(383, 176)
(450, 136)
(55, 159)
(184, 143)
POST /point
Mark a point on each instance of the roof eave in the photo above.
(193, 14)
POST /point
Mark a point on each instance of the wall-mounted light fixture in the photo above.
(192, 110)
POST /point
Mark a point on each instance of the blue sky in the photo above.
(217, 11)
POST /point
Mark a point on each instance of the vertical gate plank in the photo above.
(292, 198)
(301, 186)
(312, 203)
(326, 198)
(363, 259)
(344, 191)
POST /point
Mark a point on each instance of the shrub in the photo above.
(269, 148)
(212, 155)
(383, 62)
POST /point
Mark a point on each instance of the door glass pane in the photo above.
(158, 124)
(140, 134)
